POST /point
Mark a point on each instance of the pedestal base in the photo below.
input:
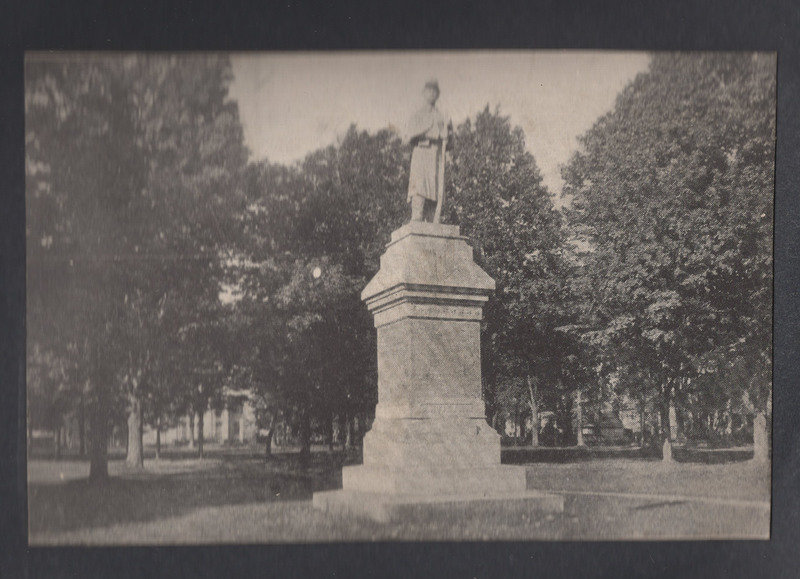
(387, 508)
(430, 445)
(388, 494)
(473, 481)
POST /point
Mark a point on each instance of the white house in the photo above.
(235, 424)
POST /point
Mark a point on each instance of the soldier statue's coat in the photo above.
(426, 130)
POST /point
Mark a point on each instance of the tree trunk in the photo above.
(348, 440)
(666, 434)
(761, 432)
(579, 419)
(666, 451)
(760, 438)
(99, 420)
(270, 435)
(268, 444)
(191, 429)
(305, 436)
(641, 423)
(135, 456)
(330, 431)
(343, 429)
(200, 424)
(98, 445)
(158, 438)
(81, 428)
(674, 425)
(57, 442)
(533, 392)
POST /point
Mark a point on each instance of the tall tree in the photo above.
(313, 234)
(132, 165)
(79, 182)
(673, 190)
(499, 201)
(315, 231)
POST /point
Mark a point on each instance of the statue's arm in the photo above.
(419, 125)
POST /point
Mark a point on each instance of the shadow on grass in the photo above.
(650, 506)
(712, 455)
(168, 452)
(140, 496)
(573, 454)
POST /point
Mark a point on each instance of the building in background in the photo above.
(234, 424)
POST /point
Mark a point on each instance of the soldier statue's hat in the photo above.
(434, 84)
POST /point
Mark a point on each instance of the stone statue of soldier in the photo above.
(429, 446)
(428, 132)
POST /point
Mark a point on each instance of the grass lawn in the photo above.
(238, 497)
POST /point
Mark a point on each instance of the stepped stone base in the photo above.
(386, 508)
(434, 481)
(430, 446)
(435, 443)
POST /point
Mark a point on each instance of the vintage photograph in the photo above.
(398, 296)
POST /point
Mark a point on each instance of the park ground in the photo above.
(235, 496)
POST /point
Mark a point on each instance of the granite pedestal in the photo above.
(430, 444)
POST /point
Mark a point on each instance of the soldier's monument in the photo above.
(430, 444)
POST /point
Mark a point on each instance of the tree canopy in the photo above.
(500, 203)
(143, 210)
(132, 174)
(673, 191)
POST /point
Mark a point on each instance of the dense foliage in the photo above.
(132, 172)
(673, 191)
(166, 274)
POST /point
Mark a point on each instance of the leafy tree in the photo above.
(333, 214)
(132, 164)
(498, 199)
(673, 190)
(78, 182)
(313, 234)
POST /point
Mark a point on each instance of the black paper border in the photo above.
(770, 25)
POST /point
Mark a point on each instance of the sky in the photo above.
(292, 104)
